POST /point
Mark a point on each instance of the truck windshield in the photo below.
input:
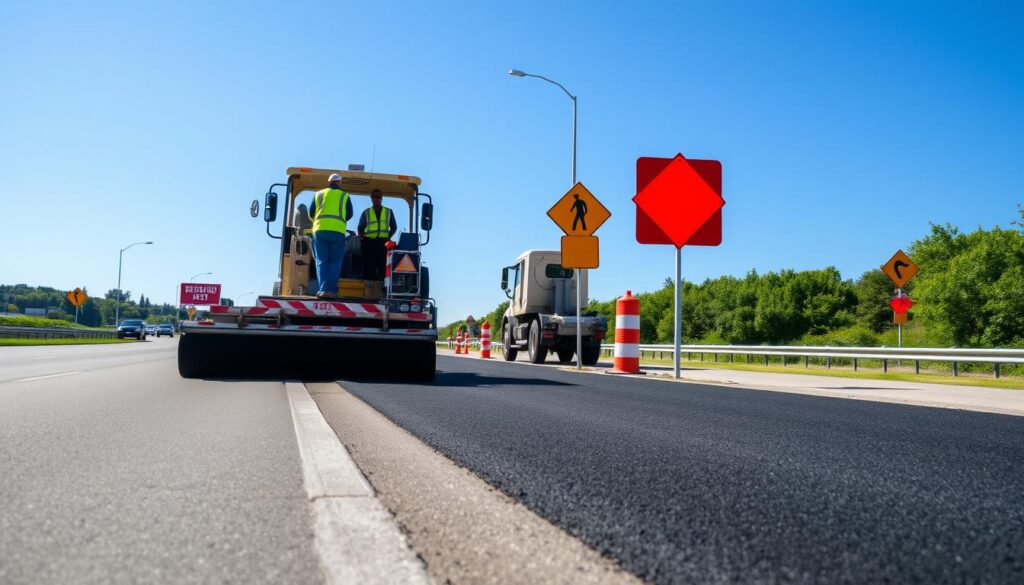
(556, 271)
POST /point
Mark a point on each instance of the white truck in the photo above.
(541, 314)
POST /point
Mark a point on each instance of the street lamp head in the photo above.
(148, 242)
(516, 73)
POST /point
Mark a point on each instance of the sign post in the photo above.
(901, 270)
(678, 202)
(578, 213)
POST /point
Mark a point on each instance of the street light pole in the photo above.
(117, 306)
(580, 271)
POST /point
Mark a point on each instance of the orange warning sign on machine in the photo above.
(405, 265)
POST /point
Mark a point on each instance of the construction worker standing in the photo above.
(376, 226)
(331, 210)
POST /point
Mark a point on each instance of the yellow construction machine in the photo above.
(373, 326)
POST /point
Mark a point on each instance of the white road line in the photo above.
(356, 537)
(50, 376)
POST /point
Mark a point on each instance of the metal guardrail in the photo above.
(952, 356)
(54, 333)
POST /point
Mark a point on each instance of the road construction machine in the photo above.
(373, 327)
(541, 314)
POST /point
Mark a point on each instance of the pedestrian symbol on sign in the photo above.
(580, 208)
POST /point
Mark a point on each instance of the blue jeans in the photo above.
(329, 253)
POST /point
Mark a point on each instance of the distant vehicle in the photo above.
(165, 329)
(132, 328)
(150, 329)
(541, 314)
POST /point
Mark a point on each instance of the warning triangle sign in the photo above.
(405, 265)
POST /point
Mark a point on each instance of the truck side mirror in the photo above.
(504, 278)
(270, 207)
(427, 217)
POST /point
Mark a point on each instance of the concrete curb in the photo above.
(356, 538)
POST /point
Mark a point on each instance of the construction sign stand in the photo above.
(901, 270)
(678, 202)
(77, 298)
(578, 213)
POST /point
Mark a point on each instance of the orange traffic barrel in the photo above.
(627, 335)
(485, 340)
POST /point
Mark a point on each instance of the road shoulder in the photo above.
(466, 531)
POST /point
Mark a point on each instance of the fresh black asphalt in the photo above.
(699, 483)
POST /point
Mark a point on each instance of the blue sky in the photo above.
(844, 128)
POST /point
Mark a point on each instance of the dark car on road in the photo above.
(164, 329)
(132, 328)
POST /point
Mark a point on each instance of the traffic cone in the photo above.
(627, 336)
(485, 340)
(458, 343)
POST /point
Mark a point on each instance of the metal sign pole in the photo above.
(677, 334)
(899, 326)
(579, 330)
(76, 314)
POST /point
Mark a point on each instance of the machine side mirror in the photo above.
(504, 278)
(427, 217)
(270, 207)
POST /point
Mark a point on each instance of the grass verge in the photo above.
(98, 341)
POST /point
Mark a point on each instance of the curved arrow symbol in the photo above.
(896, 267)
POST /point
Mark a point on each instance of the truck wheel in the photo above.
(193, 357)
(591, 353)
(507, 351)
(537, 353)
(565, 355)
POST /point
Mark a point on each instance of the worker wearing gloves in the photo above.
(332, 209)
(376, 226)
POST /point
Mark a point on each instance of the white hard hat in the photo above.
(333, 178)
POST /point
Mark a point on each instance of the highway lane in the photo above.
(20, 362)
(125, 473)
(708, 484)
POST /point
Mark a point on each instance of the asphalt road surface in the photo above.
(686, 483)
(113, 469)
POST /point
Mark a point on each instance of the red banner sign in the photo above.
(195, 293)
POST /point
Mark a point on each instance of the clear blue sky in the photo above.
(843, 128)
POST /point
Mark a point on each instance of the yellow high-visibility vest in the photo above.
(330, 207)
(377, 227)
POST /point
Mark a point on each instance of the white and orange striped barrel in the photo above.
(485, 340)
(627, 335)
(458, 343)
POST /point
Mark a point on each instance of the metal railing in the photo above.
(886, 355)
(54, 333)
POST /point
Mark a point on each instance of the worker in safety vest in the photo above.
(331, 210)
(376, 226)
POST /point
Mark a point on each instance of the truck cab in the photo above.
(541, 316)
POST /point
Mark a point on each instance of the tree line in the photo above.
(969, 293)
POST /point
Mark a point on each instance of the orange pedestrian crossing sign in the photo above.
(578, 212)
(77, 297)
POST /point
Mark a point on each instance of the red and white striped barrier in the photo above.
(458, 343)
(485, 340)
(627, 335)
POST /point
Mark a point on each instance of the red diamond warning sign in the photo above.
(678, 201)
